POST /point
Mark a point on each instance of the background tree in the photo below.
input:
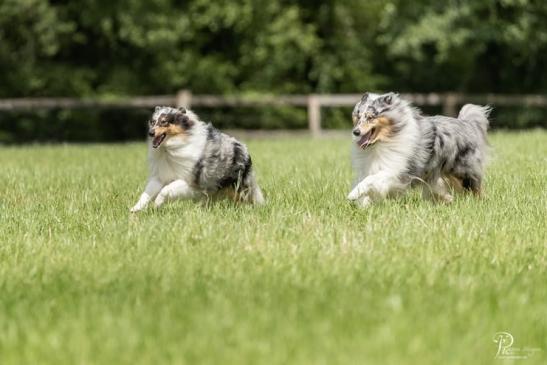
(133, 47)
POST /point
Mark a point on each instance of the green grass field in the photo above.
(306, 279)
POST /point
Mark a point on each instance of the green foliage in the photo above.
(142, 47)
(473, 46)
(134, 47)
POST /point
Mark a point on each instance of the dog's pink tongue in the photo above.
(364, 140)
(156, 141)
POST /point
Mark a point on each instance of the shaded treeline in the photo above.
(132, 47)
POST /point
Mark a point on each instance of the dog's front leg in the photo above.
(152, 189)
(374, 187)
(175, 190)
(362, 188)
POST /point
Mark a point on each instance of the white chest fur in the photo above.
(389, 157)
(176, 158)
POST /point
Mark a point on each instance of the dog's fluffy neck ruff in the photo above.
(176, 157)
(391, 155)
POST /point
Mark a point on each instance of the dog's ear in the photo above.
(157, 109)
(389, 98)
(183, 119)
(364, 97)
(182, 109)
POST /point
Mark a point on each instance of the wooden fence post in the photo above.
(450, 103)
(314, 115)
(184, 98)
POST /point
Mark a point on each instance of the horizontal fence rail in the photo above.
(85, 103)
(314, 102)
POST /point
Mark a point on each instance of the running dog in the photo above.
(396, 146)
(189, 159)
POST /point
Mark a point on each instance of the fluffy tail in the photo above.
(477, 114)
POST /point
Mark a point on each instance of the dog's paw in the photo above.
(158, 202)
(447, 199)
(363, 202)
(135, 209)
(354, 194)
(363, 188)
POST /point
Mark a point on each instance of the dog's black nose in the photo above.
(356, 132)
(151, 132)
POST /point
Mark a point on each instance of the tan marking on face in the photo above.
(383, 129)
(170, 130)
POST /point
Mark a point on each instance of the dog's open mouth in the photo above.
(366, 139)
(158, 140)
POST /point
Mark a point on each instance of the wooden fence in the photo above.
(314, 102)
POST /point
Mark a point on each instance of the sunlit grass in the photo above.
(305, 279)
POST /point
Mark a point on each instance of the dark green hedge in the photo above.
(130, 47)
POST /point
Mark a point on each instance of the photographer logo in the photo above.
(505, 349)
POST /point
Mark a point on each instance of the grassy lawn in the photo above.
(305, 279)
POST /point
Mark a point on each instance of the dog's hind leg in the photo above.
(250, 191)
(472, 183)
(469, 167)
(454, 183)
(256, 193)
(437, 189)
(470, 175)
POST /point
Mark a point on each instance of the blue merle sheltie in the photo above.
(190, 159)
(395, 147)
